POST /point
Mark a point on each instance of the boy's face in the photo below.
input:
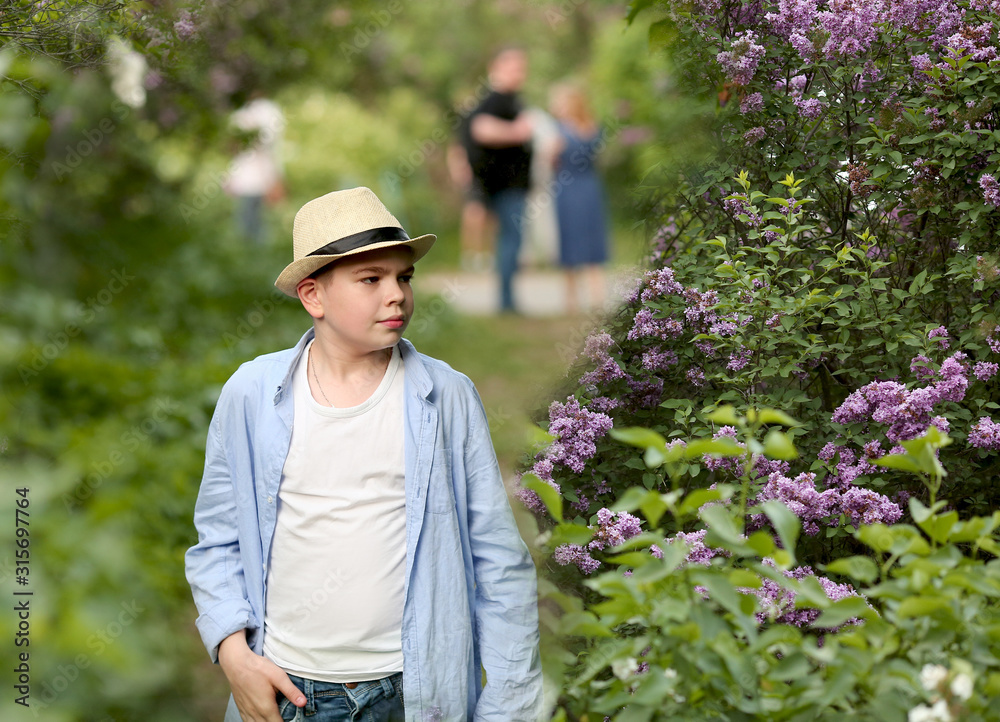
(364, 301)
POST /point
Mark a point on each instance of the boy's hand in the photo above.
(254, 680)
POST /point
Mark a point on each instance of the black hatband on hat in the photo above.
(387, 234)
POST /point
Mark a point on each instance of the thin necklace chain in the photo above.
(318, 384)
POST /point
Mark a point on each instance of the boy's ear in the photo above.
(308, 294)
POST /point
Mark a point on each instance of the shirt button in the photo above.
(270, 500)
(264, 567)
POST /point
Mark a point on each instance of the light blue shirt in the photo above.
(470, 588)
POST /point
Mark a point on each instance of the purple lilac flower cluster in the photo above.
(993, 340)
(732, 464)
(846, 29)
(755, 135)
(985, 370)
(802, 499)
(985, 434)
(740, 62)
(849, 465)
(566, 554)
(739, 359)
(656, 359)
(698, 552)
(810, 108)
(576, 429)
(864, 506)
(814, 507)
(185, 26)
(777, 604)
(991, 189)
(738, 206)
(612, 529)
(940, 332)
(906, 413)
(543, 469)
(647, 325)
(752, 103)
(922, 367)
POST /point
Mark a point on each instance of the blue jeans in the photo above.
(249, 217)
(508, 205)
(380, 700)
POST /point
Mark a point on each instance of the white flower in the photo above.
(624, 668)
(939, 711)
(932, 675)
(922, 713)
(961, 686)
(670, 673)
(128, 73)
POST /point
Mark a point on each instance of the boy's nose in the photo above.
(395, 293)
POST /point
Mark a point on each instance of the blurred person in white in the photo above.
(256, 174)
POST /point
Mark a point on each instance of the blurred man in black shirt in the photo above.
(497, 137)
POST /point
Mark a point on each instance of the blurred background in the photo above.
(130, 288)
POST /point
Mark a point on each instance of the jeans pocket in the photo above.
(289, 712)
(397, 683)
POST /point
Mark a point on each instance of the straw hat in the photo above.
(341, 224)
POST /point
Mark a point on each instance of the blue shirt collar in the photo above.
(416, 374)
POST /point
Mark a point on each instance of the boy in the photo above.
(357, 555)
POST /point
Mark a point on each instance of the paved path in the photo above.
(539, 293)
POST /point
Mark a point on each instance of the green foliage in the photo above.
(828, 250)
(674, 639)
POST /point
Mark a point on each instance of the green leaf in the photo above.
(571, 534)
(921, 513)
(938, 527)
(920, 606)
(661, 34)
(857, 567)
(744, 578)
(630, 500)
(549, 496)
(903, 462)
(638, 436)
(723, 446)
(841, 611)
(724, 416)
(653, 507)
(722, 525)
(774, 416)
(777, 445)
(784, 522)
(538, 437)
(699, 497)
(654, 444)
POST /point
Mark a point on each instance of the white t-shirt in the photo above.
(334, 606)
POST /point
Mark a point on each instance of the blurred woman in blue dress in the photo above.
(579, 195)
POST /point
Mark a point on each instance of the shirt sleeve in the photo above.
(506, 608)
(213, 566)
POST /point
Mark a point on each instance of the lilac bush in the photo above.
(835, 260)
